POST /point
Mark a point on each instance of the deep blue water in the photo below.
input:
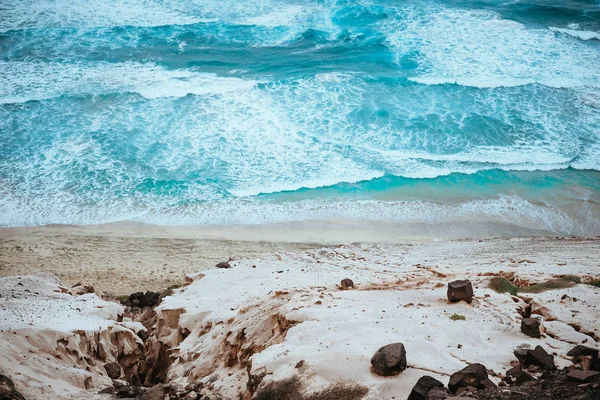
(205, 112)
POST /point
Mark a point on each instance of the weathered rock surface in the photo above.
(460, 290)
(156, 392)
(581, 350)
(582, 376)
(423, 386)
(224, 264)
(517, 376)
(140, 299)
(531, 327)
(389, 360)
(113, 370)
(8, 390)
(541, 358)
(555, 386)
(474, 375)
(346, 284)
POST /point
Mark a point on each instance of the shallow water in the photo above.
(209, 112)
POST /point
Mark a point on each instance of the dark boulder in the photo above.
(581, 350)
(523, 377)
(113, 370)
(423, 387)
(148, 299)
(540, 357)
(460, 290)
(473, 376)
(521, 355)
(224, 264)
(531, 327)
(151, 299)
(346, 284)
(389, 360)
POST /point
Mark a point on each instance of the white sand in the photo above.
(401, 296)
(280, 304)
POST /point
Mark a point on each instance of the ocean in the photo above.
(189, 112)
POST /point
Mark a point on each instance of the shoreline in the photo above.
(324, 231)
(125, 257)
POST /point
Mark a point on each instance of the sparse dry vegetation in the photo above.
(457, 317)
(293, 389)
(503, 285)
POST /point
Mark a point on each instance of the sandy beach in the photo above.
(121, 258)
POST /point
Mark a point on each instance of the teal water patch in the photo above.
(264, 111)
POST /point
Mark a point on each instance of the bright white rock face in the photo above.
(280, 309)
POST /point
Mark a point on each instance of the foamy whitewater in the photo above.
(258, 111)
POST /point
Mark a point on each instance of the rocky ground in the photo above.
(349, 322)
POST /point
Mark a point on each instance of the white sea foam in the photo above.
(283, 136)
(580, 34)
(509, 210)
(19, 14)
(479, 48)
(25, 81)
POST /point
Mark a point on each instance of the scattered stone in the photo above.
(156, 392)
(517, 376)
(540, 357)
(129, 391)
(473, 376)
(488, 384)
(525, 310)
(224, 264)
(423, 386)
(585, 362)
(389, 360)
(531, 327)
(148, 299)
(177, 390)
(521, 355)
(347, 284)
(438, 393)
(113, 370)
(194, 387)
(460, 290)
(119, 383)
(107, 390)
(78, 289)
(581, 350)
(582, 376)
(191, 396)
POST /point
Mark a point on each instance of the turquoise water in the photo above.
(208, 112)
